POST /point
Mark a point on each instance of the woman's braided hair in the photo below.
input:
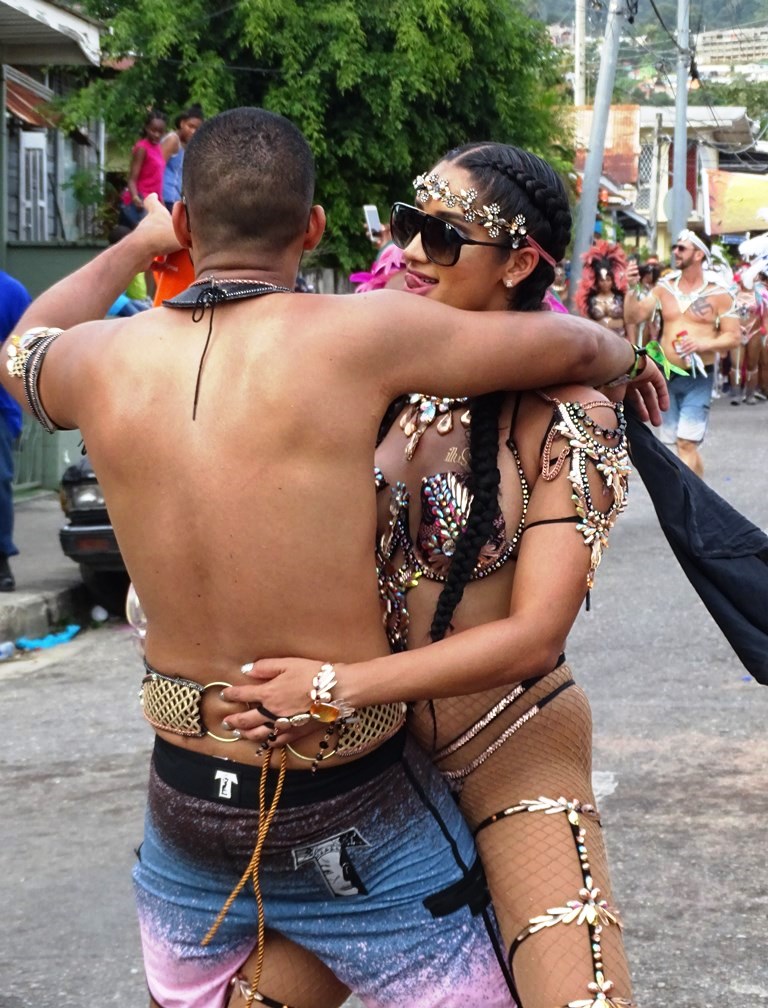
(520, 183)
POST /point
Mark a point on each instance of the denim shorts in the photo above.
(690, 397)
(379, 880)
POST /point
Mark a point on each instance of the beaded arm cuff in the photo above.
(581, 449)
(26, 354)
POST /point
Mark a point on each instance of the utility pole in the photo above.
(678, 218)
(653, 210)
(593, 168)
(579, 48)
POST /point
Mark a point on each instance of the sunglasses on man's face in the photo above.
(440, 240)
(681, 248)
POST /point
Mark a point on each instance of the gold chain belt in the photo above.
(174, 705)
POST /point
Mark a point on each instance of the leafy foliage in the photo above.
(379, 89)
(753, 95)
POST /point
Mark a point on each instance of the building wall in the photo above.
(39, 265)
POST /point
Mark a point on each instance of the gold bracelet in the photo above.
(323, 707)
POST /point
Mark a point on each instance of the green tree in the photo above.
(379, 89)
(753, 95)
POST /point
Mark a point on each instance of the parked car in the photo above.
(89, 539)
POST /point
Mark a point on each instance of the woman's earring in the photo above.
(509, 283)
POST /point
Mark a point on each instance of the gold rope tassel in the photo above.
(266, 815)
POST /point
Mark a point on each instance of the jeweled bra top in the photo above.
(446, 501)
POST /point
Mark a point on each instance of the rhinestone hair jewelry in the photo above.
(433, 187)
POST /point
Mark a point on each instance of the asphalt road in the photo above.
(681, 761)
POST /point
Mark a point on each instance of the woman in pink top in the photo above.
(145, 175)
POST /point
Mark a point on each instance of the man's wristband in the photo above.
(638, 366)
(634, 370)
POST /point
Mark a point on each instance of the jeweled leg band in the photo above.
(509, 731)
(244, 987)
(587, 908)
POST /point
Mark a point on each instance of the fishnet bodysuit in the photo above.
(531, 858)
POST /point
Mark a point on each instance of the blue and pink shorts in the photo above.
(369, 866)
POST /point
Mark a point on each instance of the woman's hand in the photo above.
(278, 687)
(649, 393)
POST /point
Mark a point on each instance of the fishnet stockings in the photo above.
(530, 858)
(290, 976)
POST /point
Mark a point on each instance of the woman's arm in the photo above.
(137, 160)
(551, 579)
(170, 145)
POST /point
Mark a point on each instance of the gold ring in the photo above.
(220, 738)
(310, 759)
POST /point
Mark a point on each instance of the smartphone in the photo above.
(372, 222)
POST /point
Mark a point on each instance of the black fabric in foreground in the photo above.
(723, 555)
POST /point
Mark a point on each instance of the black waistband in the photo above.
(214, 778)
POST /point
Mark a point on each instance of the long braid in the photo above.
(484, 451)
(542, 199)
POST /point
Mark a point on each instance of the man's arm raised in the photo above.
(88, 293)
(637, 310)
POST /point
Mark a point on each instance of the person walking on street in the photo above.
(699, 321)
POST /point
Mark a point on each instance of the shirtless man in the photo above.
(233, 436)
(699, 321)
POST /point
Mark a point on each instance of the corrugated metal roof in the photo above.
(26, 105)
(38, 33)
(622, 141)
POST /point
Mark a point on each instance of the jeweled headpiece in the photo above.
(433, 187)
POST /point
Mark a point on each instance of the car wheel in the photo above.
(107, 588)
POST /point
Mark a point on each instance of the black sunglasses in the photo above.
(440, 240)
(681, 248)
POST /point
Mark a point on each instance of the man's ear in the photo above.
(180, 219)
(315, 228)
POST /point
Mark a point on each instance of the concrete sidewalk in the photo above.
(49, 590)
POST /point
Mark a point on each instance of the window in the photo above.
(33, 186)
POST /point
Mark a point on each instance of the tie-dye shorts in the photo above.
(370, 866)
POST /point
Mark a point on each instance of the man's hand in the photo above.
(156, 229)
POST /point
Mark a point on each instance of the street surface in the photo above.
(681, 761)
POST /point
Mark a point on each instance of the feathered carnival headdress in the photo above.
(603, 258)
(390, 261)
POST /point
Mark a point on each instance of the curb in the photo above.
(35, 614)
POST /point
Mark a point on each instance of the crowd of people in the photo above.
(372, 762)
(709, 320)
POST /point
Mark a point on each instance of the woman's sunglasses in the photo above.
(441, 241)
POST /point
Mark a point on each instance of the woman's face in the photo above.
(605, 284)
(154, 130)
(475, 282)
(188, 128)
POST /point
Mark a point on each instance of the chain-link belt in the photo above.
(174, 705)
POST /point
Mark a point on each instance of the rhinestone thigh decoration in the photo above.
(587, 908)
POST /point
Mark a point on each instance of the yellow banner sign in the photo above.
(735, 202)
